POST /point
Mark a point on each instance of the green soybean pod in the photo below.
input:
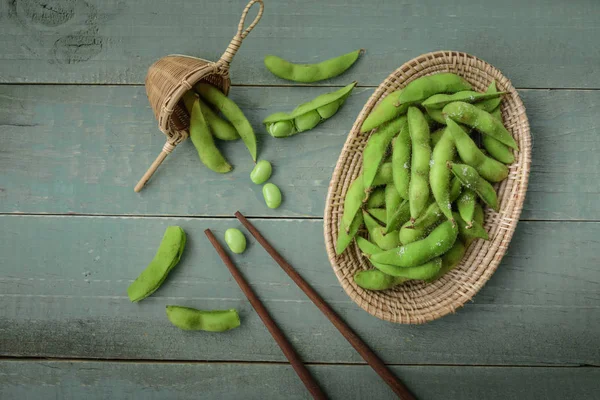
(401, 151)
(439, 174)
(455, 189)
(307, 115)
(421, 272)
(236, 240)
(399, 217)
(383, 112)
(353, 201)
(478, 218)
(439, 241)
(470, 232)
(220, 128)
(167, 256)
(426, 86)
(469, 177)
(272, 195)
(470, 154)
(438, 101)
(384, 175)
(190, 319)
(484, 122)
(496, 149)
(367, 247)
(345, 238)
(202, 139)
(376, 148)
(422, 226)
(261, 172)
(451, 259)
(231, 111)
(436, 115)
(436, 136)
(384, 241)
(392, 201)
(466, 206)
(418, 191)
(308, 73)
(376, 198)
(490, 104)
(380, 214)
(374, 279)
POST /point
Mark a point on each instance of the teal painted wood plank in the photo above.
(540, 43)
(114, 380)
(63, 294)
(71, 149)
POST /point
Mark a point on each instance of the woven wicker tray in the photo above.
(418, 302)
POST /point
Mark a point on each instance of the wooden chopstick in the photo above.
(361, 347)
(305, 376)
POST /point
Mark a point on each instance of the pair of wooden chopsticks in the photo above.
(313, 387)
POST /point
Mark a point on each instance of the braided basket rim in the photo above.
(419, 302)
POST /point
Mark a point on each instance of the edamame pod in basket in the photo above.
(231, 111)
(496, 149)
(345, 238)
(220, 128)
(374, 279)
(401, 150)
(438, 101)
(307, 115)
(469, 177)
(308, 73)
(353, 201)
(376, 149)
(490, 104)
(466, 206)
(190, 319)
(418, 190)
(167, 256)
(439, 174)
(376, 232)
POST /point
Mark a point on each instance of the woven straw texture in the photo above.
(419, 302)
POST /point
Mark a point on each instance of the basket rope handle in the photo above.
(241, 34)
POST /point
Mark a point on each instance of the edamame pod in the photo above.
(477, 218)
(353, 201)
(307, 115)
(436, 114)
(496, 149)
(345, 238)
(490, 104)
(272, 195)
(436, 136)
(421, 272)
(200, 135)
(380, 214)
(438, 101)
(220, 128)
(392, 201)
(473, 232)
(376, 148)
(374, 279)
(399, 217)
(231, 111)
(308, 73)
(455, 189)
(426, 86)
(439, 241)
(422, 226)
(440, 175)
(376, 198)
(384, 175)
(466, 206)
(384, 241)
(451, 259)
(383, 112)
(469, 177)
(190, 319)
(470, 154)
(418, 191)
(401, 150)
(367, 247)
(485, 123)
(236, 240)
(261, 172)
(167, 256)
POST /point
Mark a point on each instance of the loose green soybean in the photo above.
(401, 150)
(376, 232)
(236, 240)
(438, 101)
(345, 238)
(261, 172)
(376, 149)
(439, 241)
(484, 122)
(202, 139)
(272, 195)
(466, 205)
(190, 319)
(220, 128)
(439, 174)
(167, 256)
(307, 115)
(374, 279)
(308, 73)
(472, 180)
(418, 191)
(470, 154)
(231, 111)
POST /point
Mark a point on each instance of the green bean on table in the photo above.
(272, 195)
(236, 240)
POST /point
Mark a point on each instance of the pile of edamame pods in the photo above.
(420, 194)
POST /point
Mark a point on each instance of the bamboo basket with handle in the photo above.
(417, 302)
(169, 78)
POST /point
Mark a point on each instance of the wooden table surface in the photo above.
(76, 132)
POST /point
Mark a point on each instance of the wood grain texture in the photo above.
(539, 43)
(63, 294)
(100, 380)
(72, 149)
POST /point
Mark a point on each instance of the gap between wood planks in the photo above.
(282, 363)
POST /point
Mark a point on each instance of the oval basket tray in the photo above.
(419, 302)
